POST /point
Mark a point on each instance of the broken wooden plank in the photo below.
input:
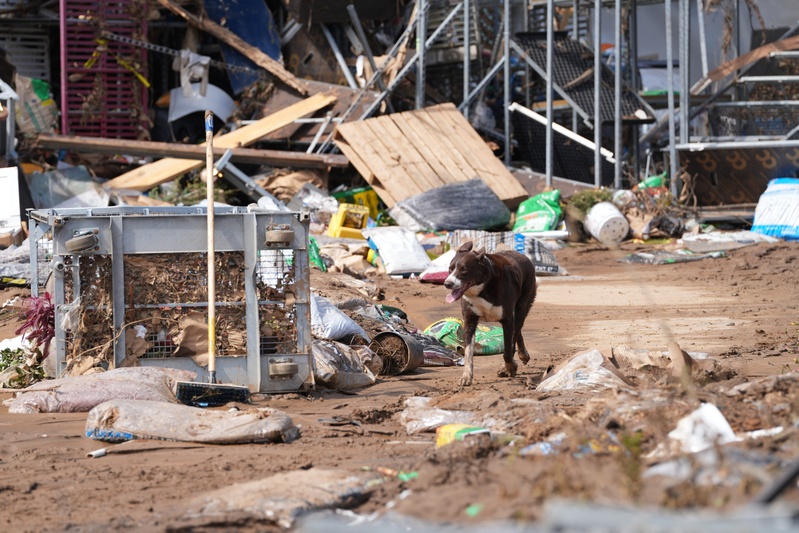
(253, 53)
(278, 158)
(148, 176)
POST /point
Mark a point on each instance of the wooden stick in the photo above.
(253, 53)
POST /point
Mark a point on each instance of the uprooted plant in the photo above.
(38, 326)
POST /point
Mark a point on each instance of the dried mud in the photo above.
(740, 310)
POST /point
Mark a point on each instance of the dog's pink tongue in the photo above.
(454, 296)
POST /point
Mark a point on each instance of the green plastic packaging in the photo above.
(314, 256)
(487, 340)
(542, 212)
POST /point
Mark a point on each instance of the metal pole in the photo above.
(634, 82)
(617, 44)
(575, 37)
(421, 51)
(339, 58)
(685, 70)
(467, 52)
(367, 50)
(550, 71)
(673, 163)
(506, 46)
(62, 38)
(700, 16)
(597, 92)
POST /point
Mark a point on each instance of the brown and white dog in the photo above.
(498, 287)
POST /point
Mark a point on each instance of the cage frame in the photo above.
(127, 230)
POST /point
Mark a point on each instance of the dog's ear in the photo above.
(467, 246)
(481, 253)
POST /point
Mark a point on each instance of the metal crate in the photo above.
(130, 287)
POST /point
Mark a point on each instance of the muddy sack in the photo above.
(123, 420)
(341, 367)
(78, 394)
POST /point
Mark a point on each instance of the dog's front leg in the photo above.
(469, 328)
(509, 337)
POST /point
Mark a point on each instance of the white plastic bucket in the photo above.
(606, 223)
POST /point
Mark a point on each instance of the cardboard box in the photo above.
(9, 236)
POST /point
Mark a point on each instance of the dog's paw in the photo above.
(508, 371)
(466, 380)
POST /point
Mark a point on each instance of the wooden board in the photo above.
(148, 176)
(403, 154)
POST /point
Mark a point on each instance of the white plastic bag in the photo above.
(331, 323)
(398, 248)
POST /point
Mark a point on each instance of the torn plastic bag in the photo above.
(78, 394)
(463, 205)
(418, 416)
(122, 420)
(340, 367)
(589, 370)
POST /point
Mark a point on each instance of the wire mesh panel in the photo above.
(131, 288)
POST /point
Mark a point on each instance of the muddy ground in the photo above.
(740, 310)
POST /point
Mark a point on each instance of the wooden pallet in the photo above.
(404, 154)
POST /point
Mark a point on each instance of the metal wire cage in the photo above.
(130, 288)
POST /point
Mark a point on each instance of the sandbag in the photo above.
(487, 340)
(122, 420)
(78, 394)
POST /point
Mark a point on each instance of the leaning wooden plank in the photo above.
(381, 159)
(411, 160)
(487, 166)
(163, 170)
(449, 147)
(253, 53)
(281, 158)
(364, 170)
(424, 148)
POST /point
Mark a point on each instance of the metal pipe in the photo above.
(635, 84)
(673, 163)
(411, 62)
(685, 70)
(543, 73)
(597, 91)
(617, 95)
(733, 145)
(467, 53)
(482, 84)
(506, 88)
(700, 17)
(62, 38)
(550, 106)
(575, 37)
(604, 152)
(421, 51)
(339, 58)
(367, 50)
